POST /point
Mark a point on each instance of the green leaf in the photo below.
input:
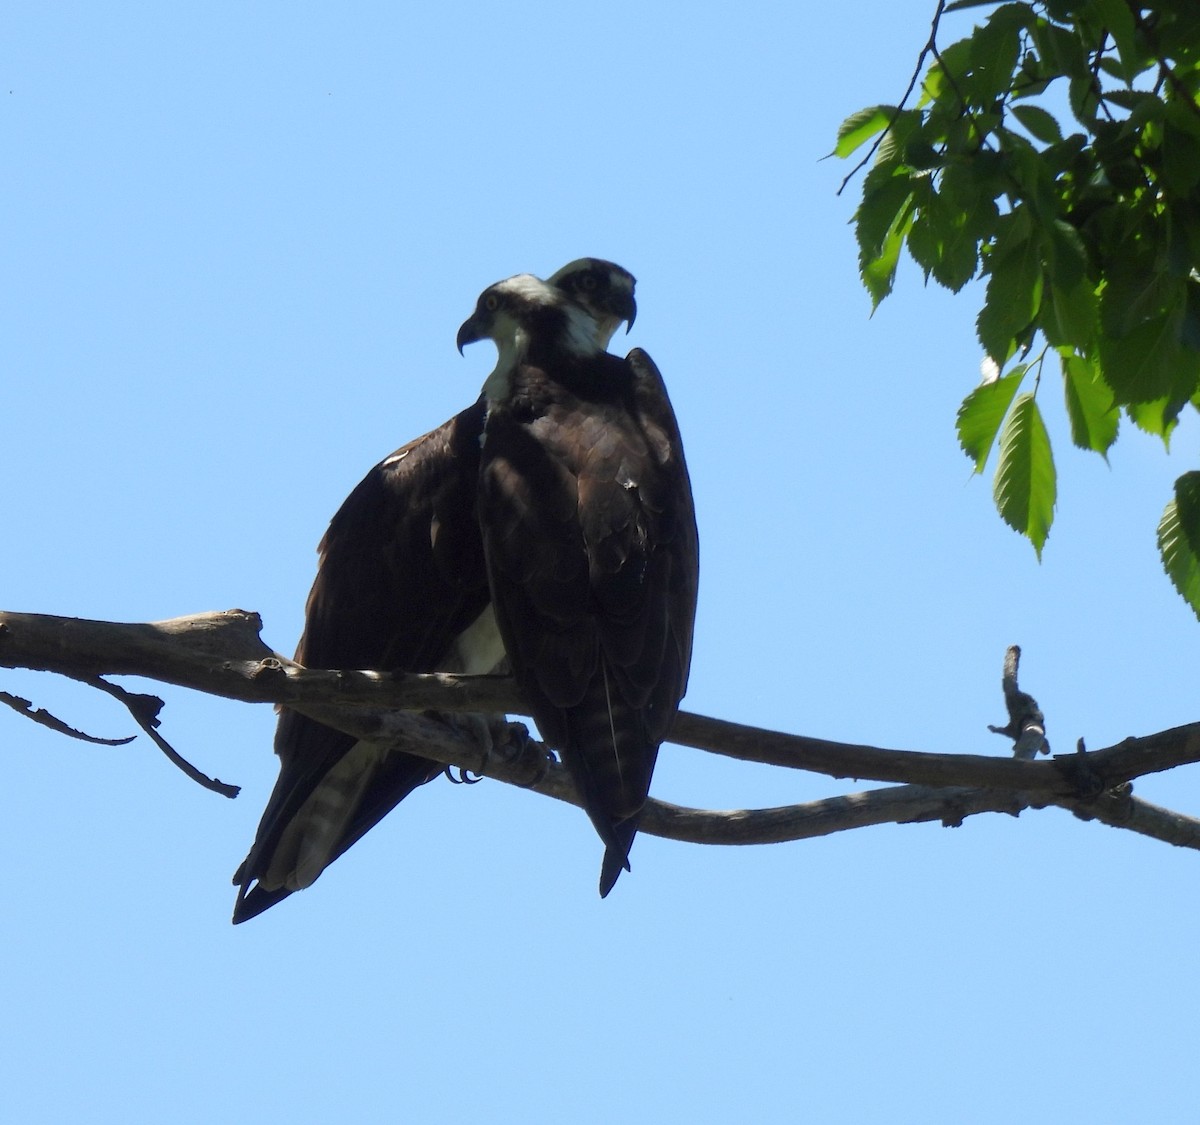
(1039, 123)
(1187, 498)
(1137, 291)
(1185, 228)
(1118, 21)
(1094, 418)
(1066, 256)
(1143, 313)
(1178, 534)
(1180, 158)
(995, 48)
(879, 273)
(1158, 418)
(1061, 49)
(1082, 91)
(1189, 332)
(1145, 364)
(981, 413)
(1014, 290)
(883, 219)
(942, 80)
(1034, 178)
(942, 242)
(1069, 315)
(970, 188)
(1025, 480)
(860, 127)
(895, 141)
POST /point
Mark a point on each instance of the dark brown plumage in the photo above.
(401, 575)
(590, 539)
(401, 586)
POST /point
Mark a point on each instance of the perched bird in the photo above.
(589, 536)
(401, 586)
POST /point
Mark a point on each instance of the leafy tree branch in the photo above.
(1055, 154)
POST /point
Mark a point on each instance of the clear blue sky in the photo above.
(237, 243)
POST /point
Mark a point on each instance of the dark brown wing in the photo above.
(401, 576)
(679, 534)
(590, 537)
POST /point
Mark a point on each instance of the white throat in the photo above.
(580, 336)
(512, 348)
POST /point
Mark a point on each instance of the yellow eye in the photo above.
(491, 302)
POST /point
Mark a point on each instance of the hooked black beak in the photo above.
(621, 305)
(472, 329)
(629, 312)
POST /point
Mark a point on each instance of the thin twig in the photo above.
(931, 45)
(145, 709)
(43, 717)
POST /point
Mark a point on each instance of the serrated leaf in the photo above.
(995, 48)
(1158, 418)
(1189, 332)
(1025, 485)
(882, 220)
(1094, 418)
(1085, 101)
(1143, 365)
(885, 191)
(1180, 160)
(1060, 49)
(1178, 532)
(879, 273)
(1039, 123)
(941, 242)
(1136, 291)
(1118, 21)
(1069, 316)
(943, 81)
(1187, 499)
(1066, 255)
(970, 191)
(895, 141)
(1014, 290)
(981, 413)
(860, 127)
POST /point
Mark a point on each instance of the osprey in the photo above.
(401, 586)
(589, 537)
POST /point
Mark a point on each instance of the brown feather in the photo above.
(401, 575)
(590, 539)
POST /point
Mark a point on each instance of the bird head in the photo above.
(604, 289)
(525, 307)
(524, 313)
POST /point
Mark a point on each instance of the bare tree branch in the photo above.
(223, 654)
(904, 804)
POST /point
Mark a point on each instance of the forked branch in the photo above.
(223, 654)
